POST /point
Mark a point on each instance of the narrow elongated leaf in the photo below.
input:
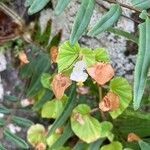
(142, 63)
(67, 55)
(142, 4)
(82, 20)
(28, 3)
(2, 122)
(67, 111)
(11, 98)
(131, 121)
(37, 5)
(4, 110)
(107, 20)
(67, 133)
(61, 5)
(125, 34)
(22, 121)
(15, 139)
(144, 145)
(80, 146)
(121, 87)
(2, 147)
(96, 145)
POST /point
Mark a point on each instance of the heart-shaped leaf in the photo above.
(67, 55)
(45, 80)
(53, 108)
(101, 55)
(36, 134)
(86, 127)
(88, 56)
(121, 87)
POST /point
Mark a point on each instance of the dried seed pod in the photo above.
(110, 102)
(101, 72)
(53, 54)
(59, 84)
(133, 137)
(23, 58)
(40, 146)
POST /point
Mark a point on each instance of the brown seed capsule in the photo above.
(23, 58)
(110, 102)
(59, 84)
(133, 137)
(40, 146)
(53, 54)
(101, 72)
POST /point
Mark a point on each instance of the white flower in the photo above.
(1, 115)
(78, 74)
(79, 66)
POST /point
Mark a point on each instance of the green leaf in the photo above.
(2, 122)
(143, 15)
(112, 146)
(37, 5)
(82, 121)
(107, 20)
(67, 111)
(11, 98)
(15, 139)
(142, 63)
(61, 5)
(21, 121)
(36, 134)
(88, 56)
(52, 139)
(28, 3)
(143, 145)
(121, 87)
(101, 55)
(67, 55)
(106, 128)
(142, 4)
(125, 34)
(52, 109)
(82, 20)
(46, 97)
(2, 147)
(4, 110)
(67, 133)
(132, 121)
(80, 146)
(45, 80)
(96, 145)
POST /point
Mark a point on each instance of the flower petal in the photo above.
(23, 58)
(78, 76)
